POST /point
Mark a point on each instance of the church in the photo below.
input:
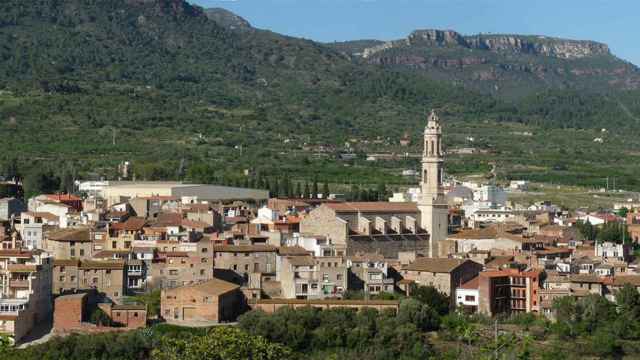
(391, 228)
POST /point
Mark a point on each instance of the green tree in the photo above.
(325, 190)
(421, 315)
(220, 343)
(314, 189)
(307, 192)
(39, 181)
(298, 193)
(5, 346)
(430, 296)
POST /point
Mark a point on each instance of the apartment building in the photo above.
(25, 290)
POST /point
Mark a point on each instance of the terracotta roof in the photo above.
(211, 287)
(68, 235)
(499, 261)
(132, 224)
(24, 268)
(550, 251)
(364, 207)
(169, 219)
(585, 278)
(621, 280)
(66, 262)
(235, 219)
(301, 260)
(195, 224)
(293, 250)
(18, 253)
(45, 215)
(471, 284)
(63, 197)
(106, 265)
(8, 317)
(436, 265)
(244, 248)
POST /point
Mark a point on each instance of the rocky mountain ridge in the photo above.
(534, 45)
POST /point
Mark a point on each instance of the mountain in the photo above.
(508, 66)
(86, 84)
(228, 20)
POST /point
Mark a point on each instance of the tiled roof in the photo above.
(18, 253)
(301, 260)
(66, 262)
(176, 254)
(195, 224)
(63, 197)
(169, 219)
(364, 207)
(98, 265)
(68, 235)
(471, 284)
(210, 287)
(293, 250)
(436, 265)
(498, 261)
(244, 248)
(45, 215)
(621, 280)
(138, 307)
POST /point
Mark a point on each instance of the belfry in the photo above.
(434, 211)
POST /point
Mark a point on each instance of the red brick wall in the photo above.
(67, 313)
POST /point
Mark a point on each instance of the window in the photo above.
(72, 252)
(339, 277)
(204, 250)
(469, 298)
(203, 260)
(235, 267)
(62, 278)
(62, 269)
(325, 277)
(202, 272)
(73, 278)
(81, 252)
(246, 267)
(114, 244)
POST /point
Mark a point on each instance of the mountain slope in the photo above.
(509, 66)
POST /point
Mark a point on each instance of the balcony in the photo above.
(134, 272)
(21, 284)
(13, 306)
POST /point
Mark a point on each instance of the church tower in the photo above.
(434, 211)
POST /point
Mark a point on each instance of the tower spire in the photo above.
(433, 205)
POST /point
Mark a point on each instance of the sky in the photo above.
(613, 22)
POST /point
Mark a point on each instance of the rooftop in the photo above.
(435, 265)
(373, 207)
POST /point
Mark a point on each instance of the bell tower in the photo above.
(434, 211)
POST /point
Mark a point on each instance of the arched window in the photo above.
(431, 150)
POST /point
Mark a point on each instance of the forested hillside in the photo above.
(85, 84)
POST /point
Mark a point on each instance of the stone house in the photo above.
(70, 243)
(214, 300)
(442, 273)
(236, 262)
(106, 277)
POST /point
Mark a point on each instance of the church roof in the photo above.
(373, 207)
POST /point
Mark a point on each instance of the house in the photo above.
(181, 268)
(442, 273)
(214, 300)
(25, 291)
(468, 295)
(106, 277)
(610, 250)
(303, 276)
(369, 272)
(509, 291)
(236, 262)
(73, 243)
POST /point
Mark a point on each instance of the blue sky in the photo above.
(614, 22)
